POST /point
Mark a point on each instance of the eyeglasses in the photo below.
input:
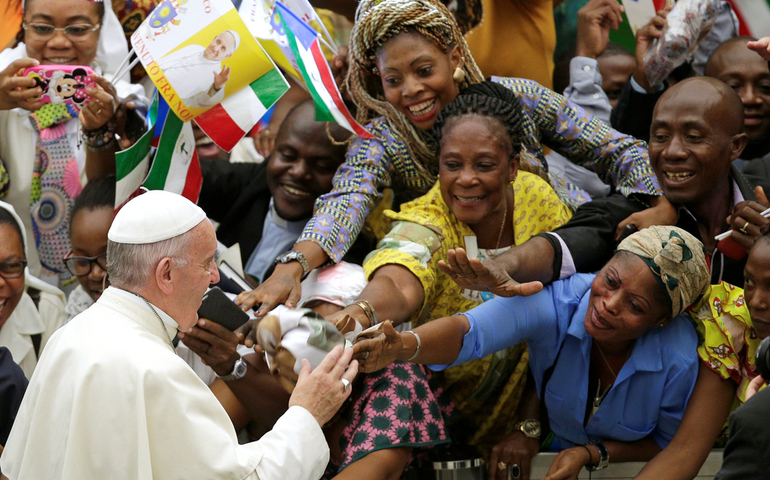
(80, 266)
(42, 32)
(12, 269)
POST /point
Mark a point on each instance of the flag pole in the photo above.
(118, 72)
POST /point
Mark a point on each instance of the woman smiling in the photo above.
(481, 198)
(408, 60)
(613, 360)
(46, 161)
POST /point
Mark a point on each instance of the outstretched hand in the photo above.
(282, 287)
(486, 277)
(645, 37)
(379, 352)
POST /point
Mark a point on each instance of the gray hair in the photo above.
(131, 265)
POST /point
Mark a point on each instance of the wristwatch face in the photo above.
(531, 428)
(240, 368)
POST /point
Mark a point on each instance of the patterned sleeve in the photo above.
(357, 186)
(585, 140)
(4, 179)
(728, 341)
(411, 246)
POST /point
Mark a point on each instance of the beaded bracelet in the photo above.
(100, 139)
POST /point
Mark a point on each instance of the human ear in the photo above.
(738, 143)
(163, 275)
(513, 167)
(455, 57)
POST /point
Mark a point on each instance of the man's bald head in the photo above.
(695, 135)
(725, 53)
(719, 104)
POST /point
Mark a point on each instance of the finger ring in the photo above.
(743, 229)
(366, 356)
(502, 465)
(266, 131)
(459, 275)
(99, 111)
(515, 471)
(345, 383)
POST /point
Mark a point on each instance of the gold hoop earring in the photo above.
(458, 75)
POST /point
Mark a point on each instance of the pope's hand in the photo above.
(322, 391)
(221, 78)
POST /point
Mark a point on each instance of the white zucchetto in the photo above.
(154, 216)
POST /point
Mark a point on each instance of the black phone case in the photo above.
(220, 309)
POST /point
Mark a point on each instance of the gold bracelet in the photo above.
(365, 306)
(373, 318)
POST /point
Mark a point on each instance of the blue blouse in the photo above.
(652, 389)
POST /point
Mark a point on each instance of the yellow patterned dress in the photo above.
(486, 392)
(730, 343)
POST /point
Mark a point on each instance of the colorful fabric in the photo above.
(729, 342)
(55, 184)
(677, 260)
(375, 164)
(485, 391)
(5, 180)
(399, 406)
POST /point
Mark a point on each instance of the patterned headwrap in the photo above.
(677, 260)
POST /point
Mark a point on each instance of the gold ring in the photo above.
(502, 465)
(743, 229)
(98, 111)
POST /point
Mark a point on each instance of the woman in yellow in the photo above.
(481, 200)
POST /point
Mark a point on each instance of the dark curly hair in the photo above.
(486, 99)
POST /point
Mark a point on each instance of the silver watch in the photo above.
(239, 370)
(294, 256)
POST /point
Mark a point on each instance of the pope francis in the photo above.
(111, 400)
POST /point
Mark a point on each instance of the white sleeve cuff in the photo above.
(567, 263)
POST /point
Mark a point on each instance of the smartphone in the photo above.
(62, 83)
(218, 308)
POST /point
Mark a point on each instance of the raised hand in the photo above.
(594, 22)
(221, 78)
(379, 352)
(762, 47)
(645, 37)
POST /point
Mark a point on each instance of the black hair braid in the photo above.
(486, 99)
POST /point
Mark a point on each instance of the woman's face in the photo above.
(757, 287)
(89, 239)
(417, 77)
(623, 304)
(475, 166)
(61, 49)
(11, 289)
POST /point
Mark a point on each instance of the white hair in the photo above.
(131, 266)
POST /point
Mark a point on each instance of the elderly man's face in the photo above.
(193, 278)
(220, 48)
(690, 147)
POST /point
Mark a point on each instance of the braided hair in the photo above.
(490, 100)
(377, 21)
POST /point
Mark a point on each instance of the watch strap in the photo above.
(292, 256)
(604, 457)
(239, 370)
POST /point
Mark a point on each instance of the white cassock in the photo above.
(110, 400)
(192, 75)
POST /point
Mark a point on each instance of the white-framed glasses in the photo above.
(77, 32)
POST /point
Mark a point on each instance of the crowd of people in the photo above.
(528, 254)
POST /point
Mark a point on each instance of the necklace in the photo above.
(502, 225)
(162, 324)
(614, 375)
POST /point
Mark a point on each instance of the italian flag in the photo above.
(229, 121)
(174, 167)
(310, 62)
